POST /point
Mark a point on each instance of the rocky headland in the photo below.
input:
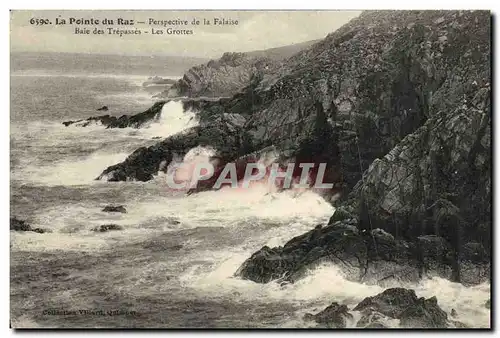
(124, 121)
(397, 104)
(231, 73)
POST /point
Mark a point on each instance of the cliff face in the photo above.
(424, 208)
(377, 79)
(221, 78)
(410, 94)
(231, 73)
(398, 105)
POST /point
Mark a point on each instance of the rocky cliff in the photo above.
(397, 103)
(231, 73)
(412, 112)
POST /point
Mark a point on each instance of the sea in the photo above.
(173, 264)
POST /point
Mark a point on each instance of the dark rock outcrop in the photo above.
(334, 316)
(427, 178)
(124, 121)
(402, 304)
(392, 302)
(227, 137)
(107, 227)
(371, 319)
(232, 73)
(114, 208)
(424, 313)
(20, 225)
(221, 78)
(103, 108)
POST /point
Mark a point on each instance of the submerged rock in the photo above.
(107, 227)
(115, 208)
(20, 225)
(103, 108)
(334, 316)
(488, 304)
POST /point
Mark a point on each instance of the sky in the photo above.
(255, 30)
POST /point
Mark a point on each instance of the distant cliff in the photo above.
(231, 73)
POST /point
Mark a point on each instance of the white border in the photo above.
(187, 4)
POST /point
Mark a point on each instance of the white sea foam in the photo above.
(69, 172)
(258, 216)
(325, 284)
(68, 168)
(173, 119)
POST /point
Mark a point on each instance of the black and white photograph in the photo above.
(251, 169)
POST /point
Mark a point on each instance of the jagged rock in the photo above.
(229, 140)
(107, 227)
(392, 302)
(334, 316)
(453, 313)
(424, 313)
(124, 121)
(371, 319)
(221, 78)
(20, 225)
(115, 208)
(103, 108)
(402, 304)
(231, 73)
(340, 214)
(488, 304)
